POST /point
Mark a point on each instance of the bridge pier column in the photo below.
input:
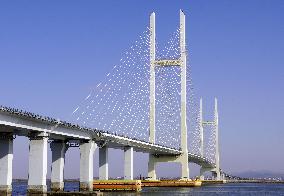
(184, 166)
(87, 149)
(58, 148)
(202, 171)
(128, 163)
(6, 158)
(206, 169)
(103, 163)
(152, 167)
(222, 176)
(37, 163)
(217, 175)
(154, 159)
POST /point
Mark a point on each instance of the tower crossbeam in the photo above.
(168, 62)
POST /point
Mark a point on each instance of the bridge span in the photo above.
(41, 129)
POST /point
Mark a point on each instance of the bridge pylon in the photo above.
(215, 123)
(181, 61)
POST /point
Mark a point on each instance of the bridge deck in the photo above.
(24, 123)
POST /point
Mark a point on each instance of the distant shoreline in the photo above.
(255, 181)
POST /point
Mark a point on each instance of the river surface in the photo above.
(229, 189)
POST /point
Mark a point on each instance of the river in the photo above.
(229, 189)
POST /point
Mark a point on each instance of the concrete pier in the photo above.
(152, 167)
(128, 163)
(202, 171)
(6, 158)
(37, 163)
(58, 148)
(223, 176)
(216, 175)
(103, 163)
(87, 149)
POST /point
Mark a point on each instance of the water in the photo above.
(229, 189)
(20, 186)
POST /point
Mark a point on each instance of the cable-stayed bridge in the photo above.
(145, 104)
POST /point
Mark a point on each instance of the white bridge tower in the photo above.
(181, 61)
(215, 123)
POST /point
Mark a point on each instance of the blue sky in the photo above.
(52, 53)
